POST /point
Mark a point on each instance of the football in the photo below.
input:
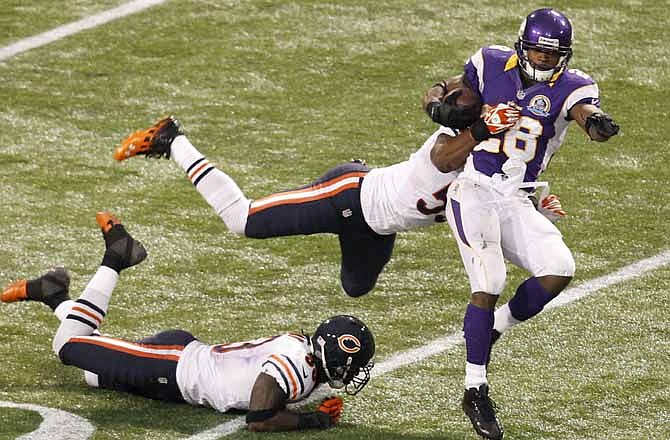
(466, 98)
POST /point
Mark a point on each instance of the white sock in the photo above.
(504, 319)
(475, 375)
(63, 309)
(216, 187)
(88, 311)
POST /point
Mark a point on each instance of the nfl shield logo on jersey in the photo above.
(539, 105)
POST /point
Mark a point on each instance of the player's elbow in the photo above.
(446, 163)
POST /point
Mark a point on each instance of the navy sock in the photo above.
(529, 299)
(477, 326)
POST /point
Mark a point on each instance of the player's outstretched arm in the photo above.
(268, 413)
(597, 124)
(450, 152)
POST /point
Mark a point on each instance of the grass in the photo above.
(276, 93)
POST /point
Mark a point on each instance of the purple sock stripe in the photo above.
(477, 326)
(529, 299)
(456, 208)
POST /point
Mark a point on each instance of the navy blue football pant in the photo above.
(332, 205)
(146, 368)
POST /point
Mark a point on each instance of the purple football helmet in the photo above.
(545, 30)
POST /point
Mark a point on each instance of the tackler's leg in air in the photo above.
(331, 204)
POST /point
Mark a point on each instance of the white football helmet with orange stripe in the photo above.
(344, 347)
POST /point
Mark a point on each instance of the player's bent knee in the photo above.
(235, 216)
(496, 285)
(58, 343)
(356, 289)
(493, 283)
(563, 265)
(91, 379)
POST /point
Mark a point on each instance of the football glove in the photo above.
(333, 407)
(496, 120)
(449, 114)
(603, 124)
(549, 206)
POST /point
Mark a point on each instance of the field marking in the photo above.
(56, 424)
(76, 27)
(445, 343)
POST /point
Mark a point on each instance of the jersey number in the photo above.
(520, 142)
(441, 196)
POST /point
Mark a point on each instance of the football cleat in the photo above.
(51, 288)
(15, 291)
(123, 249)
(155, 141)
(481, 410)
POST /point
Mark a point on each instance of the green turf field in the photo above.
(275, 93)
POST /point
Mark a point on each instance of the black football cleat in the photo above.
(481, 410)
(123, 251)
(51, 288)
(155, 141)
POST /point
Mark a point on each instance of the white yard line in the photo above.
(76, 27)
(445, 343)
(56, 424)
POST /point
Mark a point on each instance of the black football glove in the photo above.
(603, 124)
(449, 114)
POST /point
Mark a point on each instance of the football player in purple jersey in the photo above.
(260, 375)
(488, 208)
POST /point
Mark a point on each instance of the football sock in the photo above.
(504, 319)
(218, 189)
(477, 326)
(475, 375)
(529, 300)
(88, 311)
(63, 309)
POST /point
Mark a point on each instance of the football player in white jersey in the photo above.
(488, 207)
(364, 207)
(260, 375)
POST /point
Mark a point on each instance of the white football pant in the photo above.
(491, 227)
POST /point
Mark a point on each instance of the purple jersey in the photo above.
(494, 72)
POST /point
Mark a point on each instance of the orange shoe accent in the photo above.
(16, 291)
(106, 220)
(139, 142)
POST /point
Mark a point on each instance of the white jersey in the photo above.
(409, 194)
(222, 376)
